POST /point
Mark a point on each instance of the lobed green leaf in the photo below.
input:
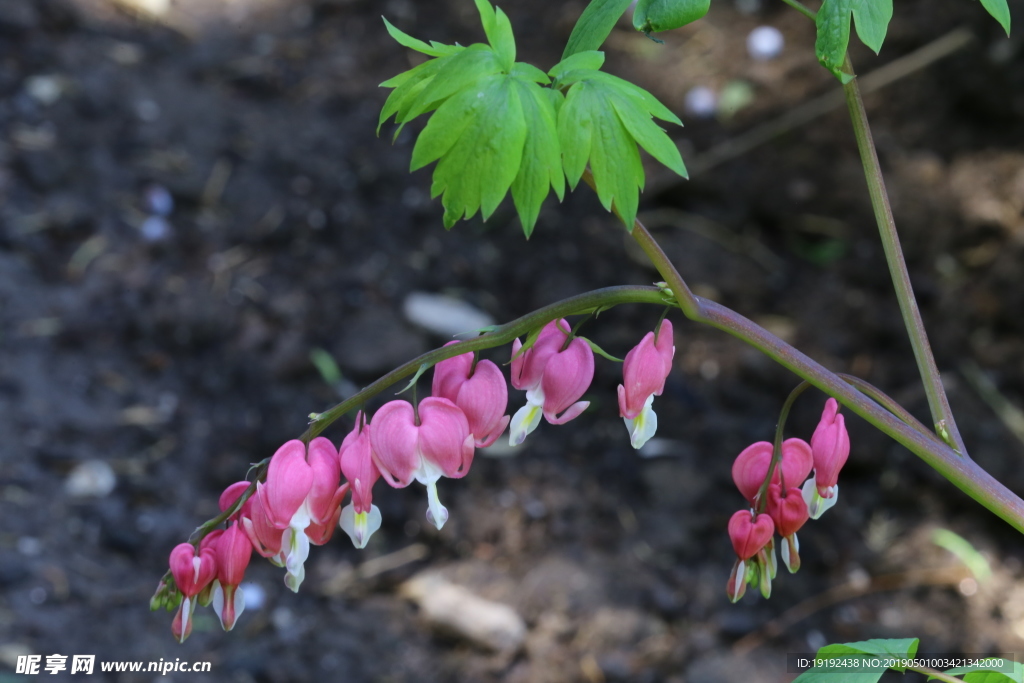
(541, 165)
(479, 161)
(602, 121)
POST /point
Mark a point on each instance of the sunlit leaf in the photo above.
(858, 657)
(542, 160)
(602, 121)
(594, 25)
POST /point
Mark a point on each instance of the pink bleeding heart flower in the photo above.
(326, 493)
(360, 518)
(789, 513)
(193, 570)
(479, 391)
(751, 536)
(301, 493)
(437, 444)
(644, 371)
(233, 552)
(751, 466)
(555, 378)
(265, 537)
(831, 447)
(230, 496)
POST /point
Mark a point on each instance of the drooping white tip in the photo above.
(816, 505)
(296, 544)
(437, 514)
(361, 526)
(186, 614)
(642, 427)
(523, 422)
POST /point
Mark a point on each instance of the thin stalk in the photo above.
(942, 415)
(780, 427)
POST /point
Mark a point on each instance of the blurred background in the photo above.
(202, 241)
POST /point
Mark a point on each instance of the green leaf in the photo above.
(435, 50)
(478, 136)
(459, 72)
(964, 551)
(650, 136)
(498, 29)
(542, 160)
(602, 121)
(871, 18)
(591, 59)
(999, 11)
(415, 378)
(326, 366)
(407, 87)
(895, 648)
(1011, 672)
(665, 15)
(594, 25)
(529, 72)
(601, 352)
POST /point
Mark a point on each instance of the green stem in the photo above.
(762, 493)
(962, 472)
(497, 336)
(802, 9)
(935, 673)
(942, 415)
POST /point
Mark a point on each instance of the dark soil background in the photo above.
(171, 355)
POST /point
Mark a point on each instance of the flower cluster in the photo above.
(790, 498)
(300, 501)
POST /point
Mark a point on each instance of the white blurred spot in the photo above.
(255, 596)
(657, 447)
(765, 43)
(147, 110)
(701, 101)
(30, 546)
(91, 479)
(709, 369)
(45, 90)
(445, 315)
(158, 200)
(968, 586)
(155, 229)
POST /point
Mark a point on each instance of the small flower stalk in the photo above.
(644, 372)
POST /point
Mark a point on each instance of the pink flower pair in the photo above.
(554, 372)
(299, 504)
